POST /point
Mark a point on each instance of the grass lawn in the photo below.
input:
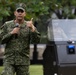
(34, 69)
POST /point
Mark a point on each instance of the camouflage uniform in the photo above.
(16, 55)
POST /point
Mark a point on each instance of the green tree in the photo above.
(39, 8)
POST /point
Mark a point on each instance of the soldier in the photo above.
(17, 35)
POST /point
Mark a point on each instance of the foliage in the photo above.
(37, 8)
(34, 7)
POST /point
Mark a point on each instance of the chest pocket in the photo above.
(10, 28)
(24, 32)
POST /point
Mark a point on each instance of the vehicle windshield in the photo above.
(62, 30)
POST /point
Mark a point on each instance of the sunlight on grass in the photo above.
(34, 69)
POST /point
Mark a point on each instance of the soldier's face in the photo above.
(20, 14)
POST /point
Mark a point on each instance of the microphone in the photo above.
(16, 35)
(17, 25)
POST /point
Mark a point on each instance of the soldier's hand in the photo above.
(30, 24)
(15, 30)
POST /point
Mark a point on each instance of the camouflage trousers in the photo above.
(15, 69)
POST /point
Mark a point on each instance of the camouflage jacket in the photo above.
(17, 46)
